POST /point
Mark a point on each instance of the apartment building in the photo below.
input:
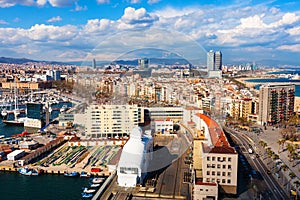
(276, 103)
(108, 121)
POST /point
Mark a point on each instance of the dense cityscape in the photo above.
(141, 100)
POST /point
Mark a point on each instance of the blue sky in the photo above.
(74, 30)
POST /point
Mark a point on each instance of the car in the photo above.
(268, 172)
(257, 156)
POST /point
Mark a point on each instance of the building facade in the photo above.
(276, 103)
(108, 121)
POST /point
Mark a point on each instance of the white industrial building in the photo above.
(135, 157)
(15, 155)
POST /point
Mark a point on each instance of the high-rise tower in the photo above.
(210, 60)
(218, 60)
(276, 103)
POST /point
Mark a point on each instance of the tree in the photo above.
(290, 149)
(281, 144)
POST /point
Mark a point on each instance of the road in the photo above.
(274, 189)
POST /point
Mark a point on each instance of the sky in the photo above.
(75, 30)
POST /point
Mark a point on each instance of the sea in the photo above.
(14, 186)
(283, 80)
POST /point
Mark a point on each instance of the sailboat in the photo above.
(17, 121)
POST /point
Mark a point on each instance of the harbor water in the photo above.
(46, 187)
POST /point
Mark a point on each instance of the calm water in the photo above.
(297, 87)
(46, 187)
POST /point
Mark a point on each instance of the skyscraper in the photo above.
(211, 60)
(94, 65)
(276, 103)
(143, 63)
(218, 60)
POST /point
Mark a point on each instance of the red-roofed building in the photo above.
(215, 161)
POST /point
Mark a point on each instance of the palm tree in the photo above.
(292, 175)
(290, 148)
(281, 144)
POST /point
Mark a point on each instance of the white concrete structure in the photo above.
(170, 113)
(109, 121)
(15, 155)
(205, 191)
(162, 125)
(135, 157)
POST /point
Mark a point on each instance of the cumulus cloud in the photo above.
(54, 19)
(134, 18)
(62, 3)
(240, 29)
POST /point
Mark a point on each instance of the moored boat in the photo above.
(86, 195)
(88, 191)
(29, 172)
(71, 174)
(85, 175)
(95, 185)
(97, 180)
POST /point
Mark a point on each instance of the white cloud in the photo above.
(249, 30)
(135, 1)
(103, 1)
(54, 19)
(287, 19)
(3, 21)
(292, 48)
(137, 18)
(62, 3)
(79, 8)
(153, 1)
(10, 3)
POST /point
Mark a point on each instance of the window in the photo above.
(208, 166)
(208, 180)
(223, 173)
(208, 173)
(213, 166)
(218, 166)
(208, 158)
(229, 174)
(224, 158)
(213, 158)
(229, 159)
(223, 181)
(229, 166)
(218, 173)
(228, 181)
(219, 159)
(213, 173)
(224, 166)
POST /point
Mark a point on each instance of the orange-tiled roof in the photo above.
(216, 133)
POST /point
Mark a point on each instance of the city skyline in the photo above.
(70, 30)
